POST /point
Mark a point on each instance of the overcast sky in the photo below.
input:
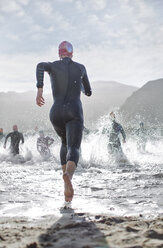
(120, 40)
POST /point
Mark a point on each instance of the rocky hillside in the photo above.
(21, 109)
(145, 104)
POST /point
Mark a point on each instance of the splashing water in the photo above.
(32, 186)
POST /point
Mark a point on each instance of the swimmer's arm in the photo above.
(86, 84)
(123, 135)
(8, 135)
(50, 141)
(41, 68)
(38, 146)
(137, 131)
(22, 138)
(39, 98)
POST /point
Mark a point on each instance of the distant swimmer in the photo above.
(86, 130)
(1, 134)
(68, 78)
(141, 137)
(116, 129)
(43, 144)
(16, 137)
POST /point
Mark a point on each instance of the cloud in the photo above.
(120, 39)
(10, 7)
(125, 66)
(144, 10)
(45, 8)
(65, 1)
(23, 2)
(2, 19)
(89, 5)
(97, 4)
(18, 71)
(13, 37)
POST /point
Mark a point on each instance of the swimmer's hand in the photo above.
(39, 99)
(4, 146)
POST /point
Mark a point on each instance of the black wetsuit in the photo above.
(114, 141)
(67, 79)
(16, 137)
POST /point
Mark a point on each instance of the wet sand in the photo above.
(81, 230)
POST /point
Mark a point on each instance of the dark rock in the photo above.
(97, 217)
(1, 238)
(136, 246)
(130, 229)
(80, 214)
(111, 220)
(154, 235)
(33, 245)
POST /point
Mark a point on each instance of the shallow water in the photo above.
(32, 187)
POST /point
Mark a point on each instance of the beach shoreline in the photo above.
(80, 230)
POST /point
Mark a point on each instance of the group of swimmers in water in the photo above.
(44, 142)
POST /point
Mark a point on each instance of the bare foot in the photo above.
(69, 191)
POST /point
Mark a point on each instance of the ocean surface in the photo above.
(104, 184)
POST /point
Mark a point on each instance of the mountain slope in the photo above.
(145, 104)
(21, 109)
(106, 96)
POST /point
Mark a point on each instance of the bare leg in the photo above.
(64, 168)
(68, 171)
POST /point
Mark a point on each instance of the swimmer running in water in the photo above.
(43, 144)
(1, 134)
(16, 137)
(116, 129)
(68, 78)
(141, 137)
